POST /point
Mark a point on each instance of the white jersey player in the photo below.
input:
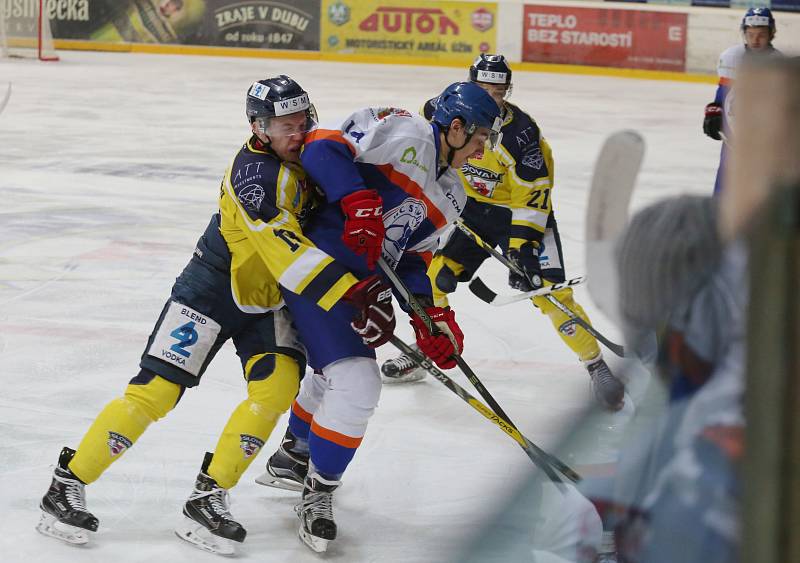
(758, 31)
(390, 184)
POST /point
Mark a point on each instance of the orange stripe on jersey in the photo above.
(301, 413)
(335, 437)
(328, 135)
(723, 81)
(413, 189)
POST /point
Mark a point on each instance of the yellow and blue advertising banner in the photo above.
(409, 30)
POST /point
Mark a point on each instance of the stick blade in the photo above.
(613, 181)
(482, 291)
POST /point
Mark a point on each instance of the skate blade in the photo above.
(200, 537)
(269, 480)
(318, 545)
(50, 526)
(410, 377)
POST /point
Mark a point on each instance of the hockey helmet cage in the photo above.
(490, 69)
(473, 105)
(278, 96)
(759, 17)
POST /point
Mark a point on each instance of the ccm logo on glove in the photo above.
(363, 224)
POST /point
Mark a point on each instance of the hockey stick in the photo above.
(5, 99)
(613, 181)
(484, 293)
(616, 348)
(545, 461)
(415, 306)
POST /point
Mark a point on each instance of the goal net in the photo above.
(25, 30)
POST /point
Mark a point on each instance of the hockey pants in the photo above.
(331, 413)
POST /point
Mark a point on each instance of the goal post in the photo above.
(25, 30)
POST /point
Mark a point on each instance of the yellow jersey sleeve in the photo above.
(261, 209)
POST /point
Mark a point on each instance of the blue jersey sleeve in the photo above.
(412, 269)
(722, 91)
(328, 159)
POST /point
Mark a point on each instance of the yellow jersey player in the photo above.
(510, 205)
(229, 290)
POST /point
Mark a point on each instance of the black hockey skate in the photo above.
(286, 468)
(315, 511)
(401, 369)
(208, 523)
(64, 514)
(609, 391)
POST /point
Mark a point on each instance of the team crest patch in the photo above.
(568, 328)
(386, 112)
(401, 222)
(533, 159)
(117, 443)
(250, 445)
(251, 196)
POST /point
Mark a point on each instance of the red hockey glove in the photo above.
(375, 321)
(363, 224)
(712, 122)
(442, 346)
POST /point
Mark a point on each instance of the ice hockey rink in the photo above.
(109, 171)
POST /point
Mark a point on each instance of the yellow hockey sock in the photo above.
(438, 277)
(120, 424)
(581, 342)
(253, 420)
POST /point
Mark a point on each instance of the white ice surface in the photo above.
(109, 170)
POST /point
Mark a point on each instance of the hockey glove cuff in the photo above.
(363, 224)
(375, 321)
(712, 123)
(441, 346)
(526, 258)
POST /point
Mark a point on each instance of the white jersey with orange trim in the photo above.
(729, 62)
(396, 153)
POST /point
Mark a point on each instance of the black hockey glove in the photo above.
(712, 124)
(527, 260)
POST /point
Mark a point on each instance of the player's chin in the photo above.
(293, 155)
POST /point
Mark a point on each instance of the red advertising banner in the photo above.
(605, 37)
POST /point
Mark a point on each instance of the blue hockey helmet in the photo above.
(278, 96)
(471, 104)
(759, 17)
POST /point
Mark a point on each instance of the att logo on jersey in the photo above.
(251, 196)
(533, 158)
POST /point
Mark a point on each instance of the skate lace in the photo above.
(218, 498)
(74, 491)
(601, 374)
(404, 363)
(318, 505)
